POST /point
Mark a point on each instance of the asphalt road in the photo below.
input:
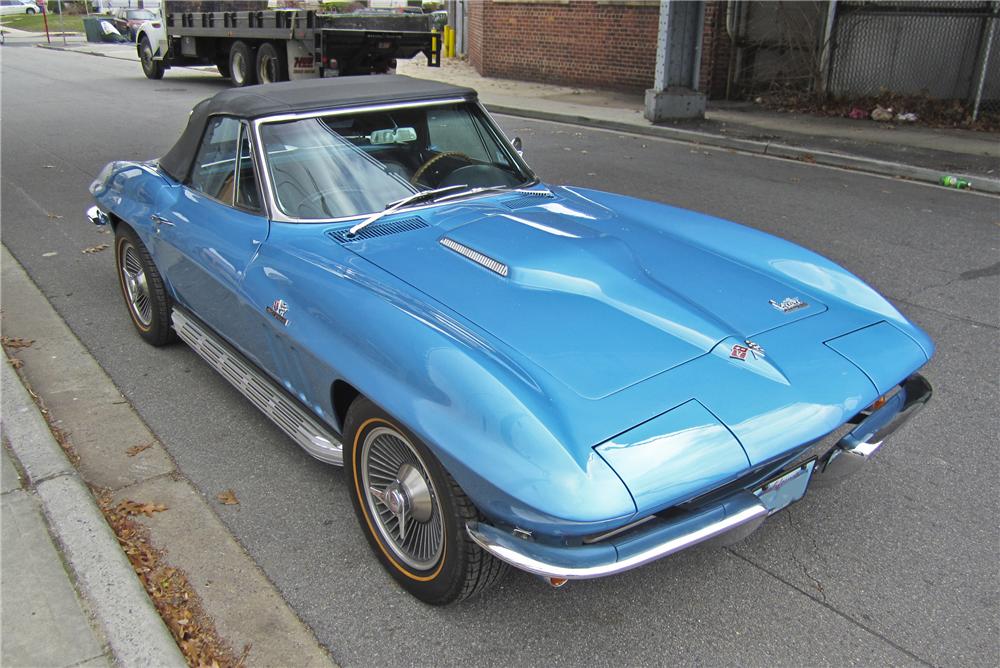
(898, 565)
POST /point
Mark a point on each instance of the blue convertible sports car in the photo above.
(560, 379)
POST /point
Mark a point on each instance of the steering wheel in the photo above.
(447, 154)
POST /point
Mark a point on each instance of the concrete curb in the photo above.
(842, 160)
(134, 630)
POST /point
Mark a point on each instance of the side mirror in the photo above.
(518, 145)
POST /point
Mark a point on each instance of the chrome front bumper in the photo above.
(722, 522)
(97, 217)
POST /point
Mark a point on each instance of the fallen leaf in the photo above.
(16, 363)
(228, 498)
(95, 249)
(15, 342)
(54, 216)
(136, 449)
(128, 507)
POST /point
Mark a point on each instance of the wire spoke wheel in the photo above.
(136, 285)
(401, 498)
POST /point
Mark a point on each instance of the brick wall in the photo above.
(580, 42)
(585, 43)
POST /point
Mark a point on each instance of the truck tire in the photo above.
(241, 65)
(153, 69)
(271, 65)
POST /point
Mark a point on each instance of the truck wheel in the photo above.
(412, 512)
(271, 66)
(153, 69)
(241, 65)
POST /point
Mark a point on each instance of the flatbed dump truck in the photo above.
(261, 46)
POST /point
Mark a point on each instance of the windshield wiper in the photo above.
(400, 203)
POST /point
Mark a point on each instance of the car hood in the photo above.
(600, 300)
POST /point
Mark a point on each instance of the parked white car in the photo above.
(8, 7)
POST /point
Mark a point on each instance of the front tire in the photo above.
(412, 511)
(242, 70)
(142, 287)
(153, 69)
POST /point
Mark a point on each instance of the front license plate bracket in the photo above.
(787, 488)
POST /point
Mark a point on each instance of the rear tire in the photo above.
(242, 70)
(153, 69)
(433, 558)
(271, 65)
(142, 287)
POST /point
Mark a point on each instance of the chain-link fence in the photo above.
(939, 57)
(938, 50)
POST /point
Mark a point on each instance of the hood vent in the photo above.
(483, 260)
(526, 200)
(379, 230)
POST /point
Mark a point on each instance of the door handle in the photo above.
(160, 220)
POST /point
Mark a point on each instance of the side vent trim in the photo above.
(495, 266)
(379, 230)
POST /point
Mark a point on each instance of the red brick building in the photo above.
(593, 43)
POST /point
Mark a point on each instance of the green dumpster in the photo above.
(92, 27)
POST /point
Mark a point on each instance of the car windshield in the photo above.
(143, 14)
(345, 165)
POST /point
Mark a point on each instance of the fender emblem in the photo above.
(278, 309)
(740, 352)
(788, 304)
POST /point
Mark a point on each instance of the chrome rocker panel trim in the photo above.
(724, 522)
(260, 390)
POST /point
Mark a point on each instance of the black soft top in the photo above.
(300, 96)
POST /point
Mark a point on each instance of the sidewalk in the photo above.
(116, 451)
(918, 153)
(56, 544)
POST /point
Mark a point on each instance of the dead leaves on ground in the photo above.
(136, 449)
(128, 507)
(15, 342)
(94, 249)
(11, 343)
(228, 498)
(169, 589)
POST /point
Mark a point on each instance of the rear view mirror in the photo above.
(393, 136)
